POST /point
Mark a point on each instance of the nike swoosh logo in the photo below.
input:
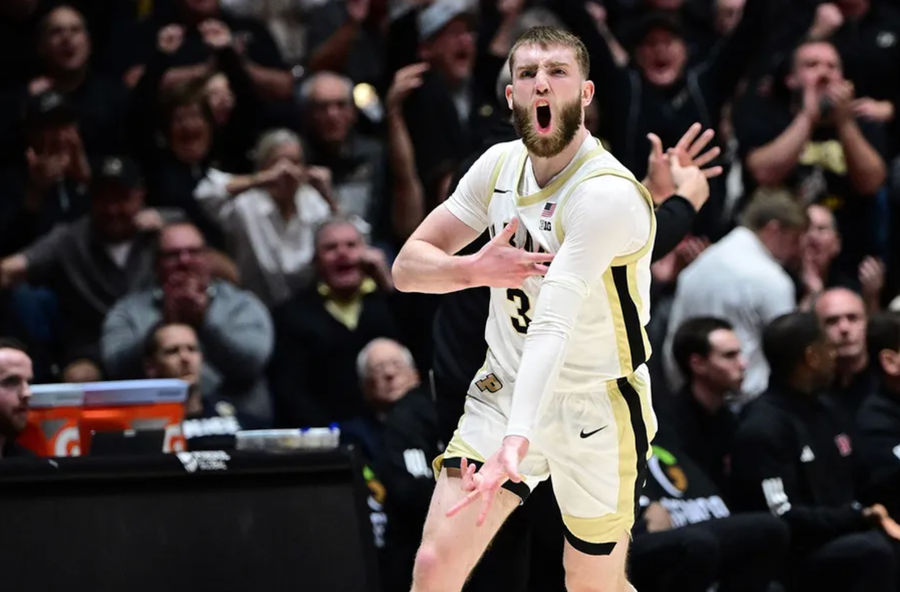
(589, 434)
(502, 190)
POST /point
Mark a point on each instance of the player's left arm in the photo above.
(604, 218)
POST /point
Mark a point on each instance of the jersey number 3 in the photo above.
(520, 320)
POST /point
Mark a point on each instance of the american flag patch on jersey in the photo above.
(549, 208)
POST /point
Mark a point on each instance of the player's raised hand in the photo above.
(501, 265)
(501, 466)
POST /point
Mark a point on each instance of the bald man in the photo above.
(842, 314)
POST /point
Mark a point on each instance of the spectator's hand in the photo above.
(509, 9)
(659, 178)
(871, 277)
(170, 38)
(185, 300)
(878, 515)
(38, 85)
(665, 270)
(891, 528)
(689, 151)
(13, 270)
(47, 166)
(811, 273)
(812, 98)
(657, 518)
(374, 264)
(828, 19)
(357, 10)
(215, 33)
(840, 94)
(79, 168)
(500, 265)
(689, 249)
(148, 220)
(283, 171)
(406, 79)
(501, 466)
(320, 178)
(598, 13)
(868, 108)
(690, 182)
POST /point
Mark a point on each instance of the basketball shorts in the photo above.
(595, 445)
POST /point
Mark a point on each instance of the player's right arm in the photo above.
(428, 261)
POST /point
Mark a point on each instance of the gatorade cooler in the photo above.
(54, 411)
(113, 406)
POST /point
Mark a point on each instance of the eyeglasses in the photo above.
(178, 253)
(339, 103)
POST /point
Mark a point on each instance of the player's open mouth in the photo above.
(543, 117)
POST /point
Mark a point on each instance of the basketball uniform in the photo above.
(592, 431)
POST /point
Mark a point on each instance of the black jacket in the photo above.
(312, 373)
(706, 438)
(791, 455)
(878, 447)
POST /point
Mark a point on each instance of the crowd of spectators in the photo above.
(213, 190)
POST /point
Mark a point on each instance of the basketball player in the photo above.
(564, 389)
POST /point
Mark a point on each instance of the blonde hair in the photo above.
(545, 36)
(271, 140)
(774, 204)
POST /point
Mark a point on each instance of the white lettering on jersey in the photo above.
(416, 463)
(210, 426)
(379, 520)
(695, 510)
(776, 498)
(807, 455)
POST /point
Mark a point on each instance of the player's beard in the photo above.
(568, 120)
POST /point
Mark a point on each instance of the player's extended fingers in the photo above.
(458, 506)
(711, 172)
(537, 257)
(468, 476)
(701, 143)
(488, 501)
(688, 138)
(508, 231)
(707, 156)
(538, 269)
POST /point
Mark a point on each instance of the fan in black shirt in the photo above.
(708, 353)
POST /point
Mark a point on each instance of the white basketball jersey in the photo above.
(609, 340)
